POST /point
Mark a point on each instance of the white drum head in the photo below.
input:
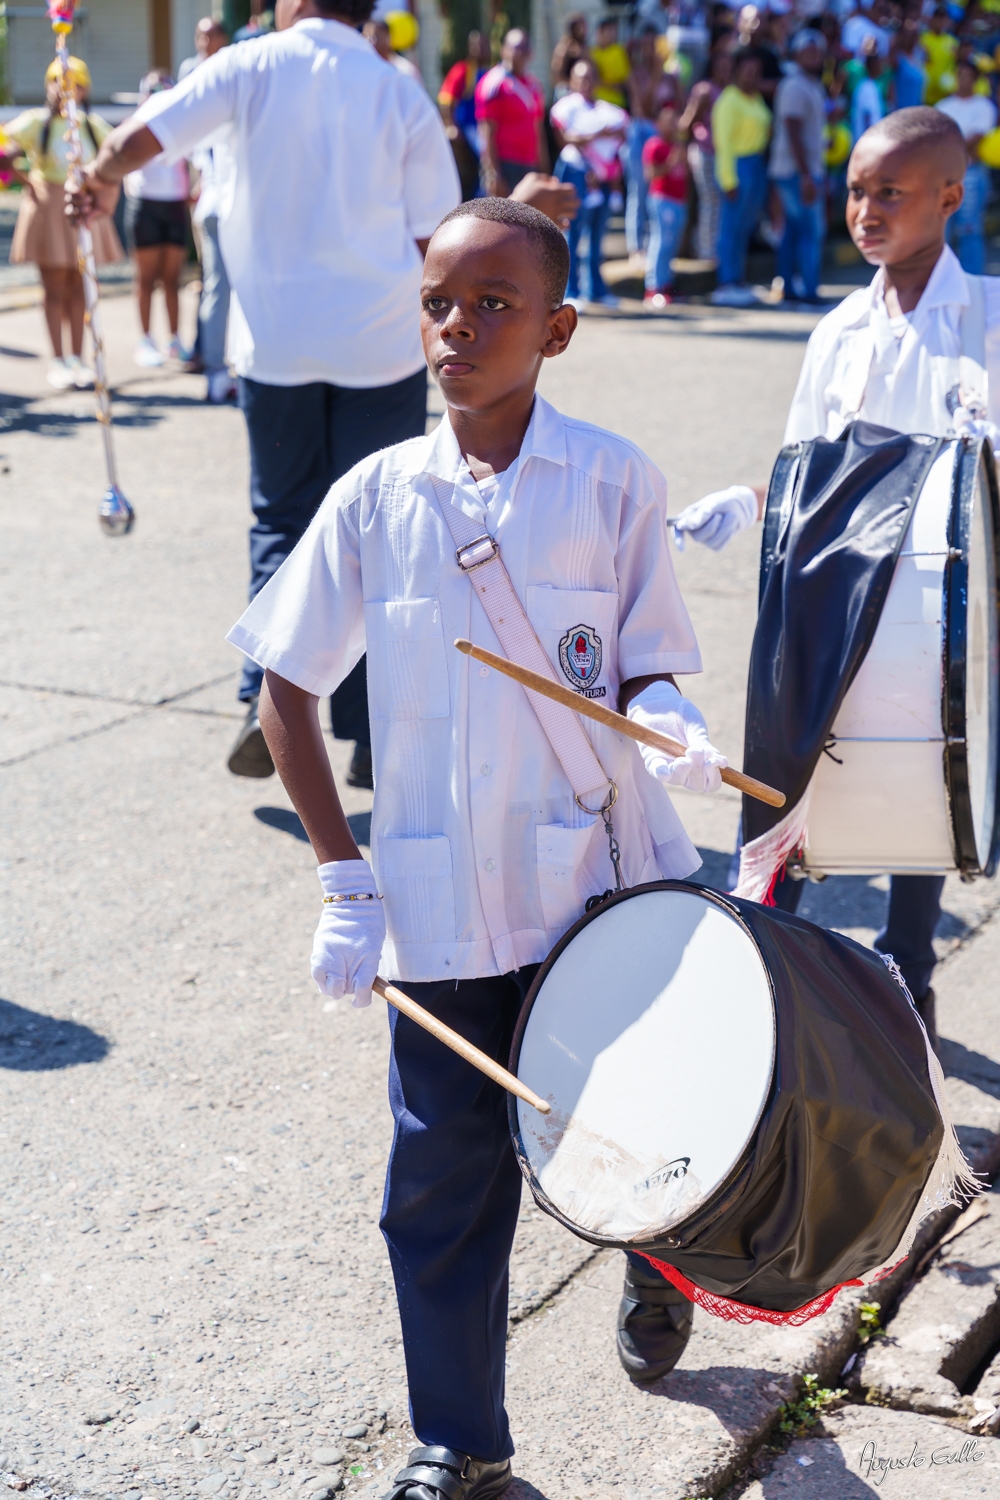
(982, 705)
(652, 1037)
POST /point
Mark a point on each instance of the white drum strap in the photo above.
(973, 380)
(478, 555)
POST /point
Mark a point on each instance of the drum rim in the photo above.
(722, 1189)
(955, 655)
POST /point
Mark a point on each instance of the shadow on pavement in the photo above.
(521, 1490)
(830, 1477)
(34, 1043)
(283, 818)
(962, 1062)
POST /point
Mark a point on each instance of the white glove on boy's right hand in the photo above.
(348, 942)
(715, 518)
(662, 707)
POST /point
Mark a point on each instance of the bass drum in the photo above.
(908, 784)
(737, 1094)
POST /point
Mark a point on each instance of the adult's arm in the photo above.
(794, 124)
(557, 200)
(544, 163)
(173, 121)
(289, 717)
(495, 184)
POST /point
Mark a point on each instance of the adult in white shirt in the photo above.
(858, 29)
(591, 133)
(866, 106)
(975, 115)
(890, 355)
(342, 173)
(209, 36)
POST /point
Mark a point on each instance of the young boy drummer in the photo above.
(895, 344)
(481, 856)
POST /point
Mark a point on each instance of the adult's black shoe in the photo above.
(654, 1325)
(250, 755)
(438, 1473)
(927, 1011)
(360, 771)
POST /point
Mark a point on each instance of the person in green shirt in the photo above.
(741, 129)
(43, 235)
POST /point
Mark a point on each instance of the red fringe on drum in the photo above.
(741, 1312)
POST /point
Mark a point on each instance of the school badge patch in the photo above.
(580, 656)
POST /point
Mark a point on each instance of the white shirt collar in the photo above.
(545, 438)
(947, 287)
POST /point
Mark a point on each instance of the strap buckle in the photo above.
(471, 548)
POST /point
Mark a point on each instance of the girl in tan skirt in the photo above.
(43, 234)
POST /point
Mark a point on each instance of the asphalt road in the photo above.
(191, 1140)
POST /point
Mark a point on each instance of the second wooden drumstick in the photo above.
(458, 1044)
(591, 710)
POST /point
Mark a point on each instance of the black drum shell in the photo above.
(847, 1139)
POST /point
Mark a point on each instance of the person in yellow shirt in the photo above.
(942, 53)
(741, 129)
(612, 63)
(43, 235)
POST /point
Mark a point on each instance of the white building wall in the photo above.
(112, 37)
(184, 17)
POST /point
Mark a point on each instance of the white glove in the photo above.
(661, 707)
(348, 942)
(715, 518)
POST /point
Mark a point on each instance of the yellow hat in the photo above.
(79, 73)
(403, 30)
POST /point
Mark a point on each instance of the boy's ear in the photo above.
(562, 326)
(951, 198)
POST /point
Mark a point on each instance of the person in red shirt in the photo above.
(664, 162)
(457, 101)
(510, 110)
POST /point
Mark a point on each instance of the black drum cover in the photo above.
(847, 1141)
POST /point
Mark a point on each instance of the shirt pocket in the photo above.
(407, 662)
(415, 878)
(568, 861)
(579, 630)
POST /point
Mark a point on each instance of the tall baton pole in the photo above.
(115, 515)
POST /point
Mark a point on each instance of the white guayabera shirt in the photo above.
(339, 165)
(479, 849)
(912, 363)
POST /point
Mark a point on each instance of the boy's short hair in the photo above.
(922, 125)
(548, 242)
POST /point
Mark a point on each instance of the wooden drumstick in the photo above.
(591, 710)
(458, 1044)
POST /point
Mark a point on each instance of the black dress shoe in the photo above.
(654, 1325)
(438, 1473)
(250, 755)
(927, 1011)
(360, 772)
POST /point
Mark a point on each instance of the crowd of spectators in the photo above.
(713, 123)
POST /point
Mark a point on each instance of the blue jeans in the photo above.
(452, 1194)
(801, 247)
(639, 132)
(302, 439)
(589, 225)
(666, 225)
(213, 307)
(738, 219)
(965, 228)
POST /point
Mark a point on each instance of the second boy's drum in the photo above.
(734, 1092)
(908, 783)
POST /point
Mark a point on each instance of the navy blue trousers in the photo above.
(452, 1194)
(908, 934)
(302, 439)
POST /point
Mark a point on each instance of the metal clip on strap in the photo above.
(468, 557)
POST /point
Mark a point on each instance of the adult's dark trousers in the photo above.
(452, 1193)
(302, 439)
(908, 934)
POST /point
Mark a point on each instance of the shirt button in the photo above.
(484, 770)
(484, 671)
(491, 865)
